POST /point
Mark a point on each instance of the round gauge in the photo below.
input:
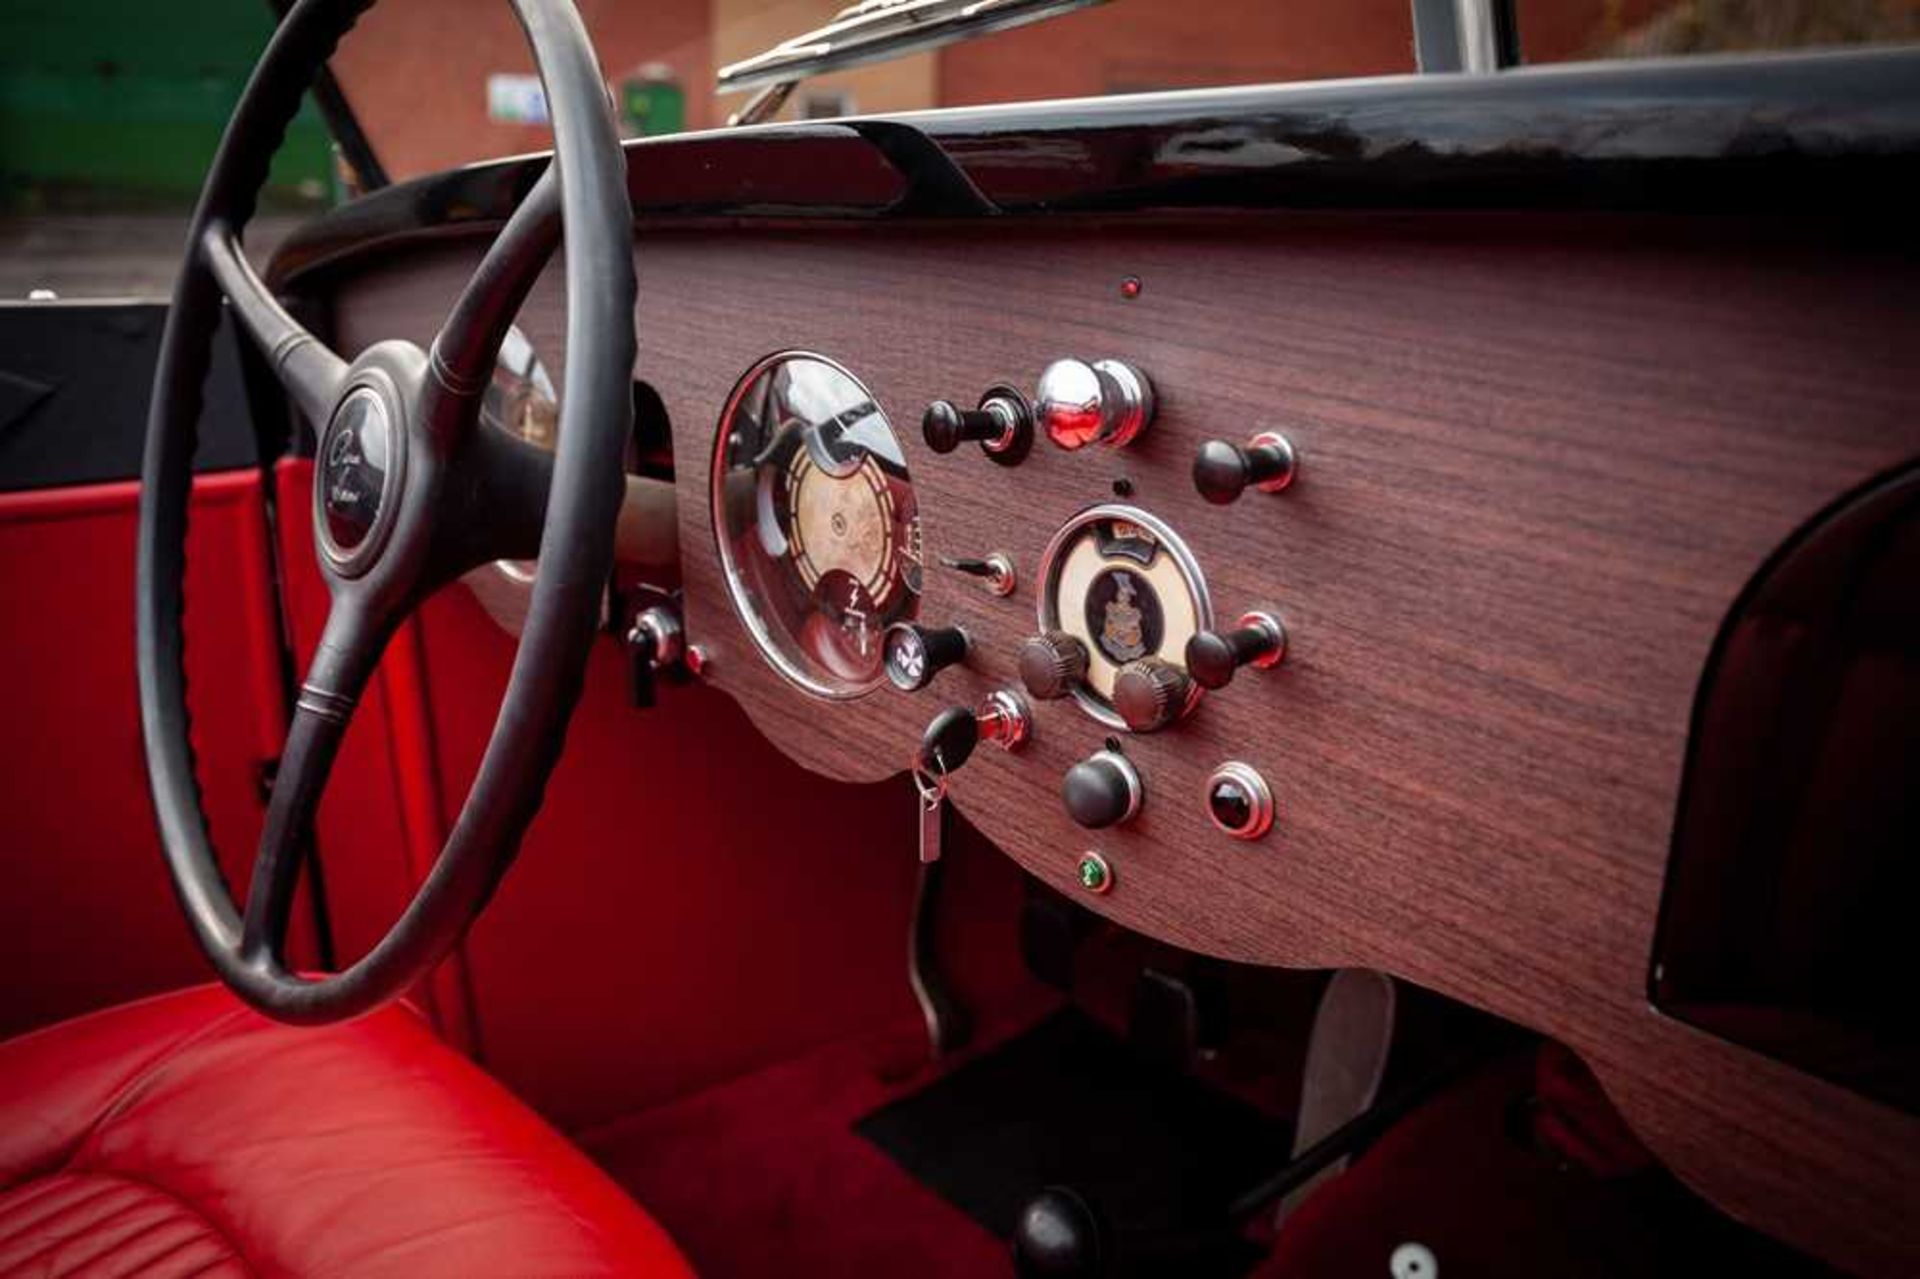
(814, 513)
(1125, 586)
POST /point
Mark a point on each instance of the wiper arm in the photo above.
(874, 31)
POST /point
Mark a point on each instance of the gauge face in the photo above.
(1122, 583)
(819, 535)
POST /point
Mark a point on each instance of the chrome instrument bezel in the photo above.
(757, 628)
(1046, 610)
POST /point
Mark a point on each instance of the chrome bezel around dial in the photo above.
(764, 639)
(1047, 604)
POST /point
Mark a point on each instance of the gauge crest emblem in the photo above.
(1124, 634)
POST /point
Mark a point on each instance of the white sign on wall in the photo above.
(516, 99)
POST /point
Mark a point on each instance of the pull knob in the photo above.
(655, 643)
(1151, 693)
(1106, 402)
(951, 736)
(1258, 641)
(1223, 471)
(1052, 664)
(1058, 1236)
(914, 654)
(1002, 424)
(1102, 790)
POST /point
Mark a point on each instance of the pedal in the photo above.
(1051, 928)
(1174, 1019)
(1347, 1052)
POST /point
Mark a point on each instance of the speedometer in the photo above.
(815, 517)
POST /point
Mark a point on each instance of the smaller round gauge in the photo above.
(1120, 582)
(816, 522)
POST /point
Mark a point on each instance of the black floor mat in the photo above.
(1067, 1103)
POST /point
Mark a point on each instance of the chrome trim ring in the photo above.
(763, 638)
(375, 387)
(1249, 778)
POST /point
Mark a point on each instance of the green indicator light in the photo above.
(1095, 876)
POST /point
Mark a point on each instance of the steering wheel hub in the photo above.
(361, 467)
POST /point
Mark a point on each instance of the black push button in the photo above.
(1102, 790)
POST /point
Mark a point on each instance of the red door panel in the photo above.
(87, 916)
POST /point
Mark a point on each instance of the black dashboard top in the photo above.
(1800, 133)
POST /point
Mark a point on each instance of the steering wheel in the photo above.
(409, 492)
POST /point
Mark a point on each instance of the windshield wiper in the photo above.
(874, 31)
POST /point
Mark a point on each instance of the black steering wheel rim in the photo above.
(466, 495)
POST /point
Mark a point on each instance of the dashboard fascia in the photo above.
(1544, 444)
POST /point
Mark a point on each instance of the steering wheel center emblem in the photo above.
(358, 466)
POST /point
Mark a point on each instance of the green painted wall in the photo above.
(109, 101)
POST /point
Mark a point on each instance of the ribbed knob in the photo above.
(1051, 664)
(1150, 694)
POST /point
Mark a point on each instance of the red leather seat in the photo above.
(187, 1135)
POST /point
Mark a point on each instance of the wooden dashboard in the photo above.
(1541, 454)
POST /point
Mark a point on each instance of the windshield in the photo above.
(428, 103)
(110, 109)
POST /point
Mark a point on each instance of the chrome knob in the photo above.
(1106, 402)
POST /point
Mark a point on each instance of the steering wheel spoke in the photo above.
(464, 349)
(311, 373)
(350, 647)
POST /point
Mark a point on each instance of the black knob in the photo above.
(1151, 693)
(915, 654)
(1057, 1236)
(1223, 471)
(948, 741)
(1102, 790)
(1003, 424)
(1213, 656)
(1052, 664)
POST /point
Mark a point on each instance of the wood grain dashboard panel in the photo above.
(1540, 455)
